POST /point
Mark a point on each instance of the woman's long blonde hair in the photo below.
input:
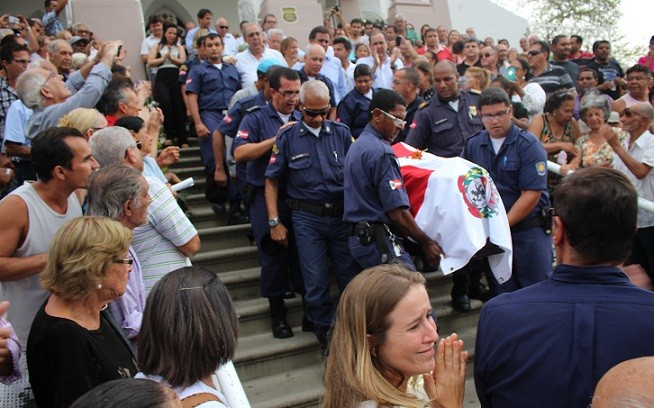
(354, 371)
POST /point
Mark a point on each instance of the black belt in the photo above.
(320, 209)
(526, 224)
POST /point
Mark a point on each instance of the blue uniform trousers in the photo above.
(368, 255)
(532, 260)
(318, 238)
(276, 271)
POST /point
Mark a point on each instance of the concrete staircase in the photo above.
(283, 373)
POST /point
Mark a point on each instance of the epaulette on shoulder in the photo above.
(253, 109)
(423, 105)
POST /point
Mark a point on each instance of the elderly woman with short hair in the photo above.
(594, 110)
(189, 330)
(121, 193)
(74, 345)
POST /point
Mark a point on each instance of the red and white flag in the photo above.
(457, 204)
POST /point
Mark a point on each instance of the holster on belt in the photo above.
(376, 232)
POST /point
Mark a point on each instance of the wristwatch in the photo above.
(273, 222)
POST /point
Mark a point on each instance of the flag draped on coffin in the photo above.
(457, 204)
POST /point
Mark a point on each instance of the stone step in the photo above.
(224, 237)
(186, 159)
(263, 355)
(243, 284)
(223, 260)
(197, 172)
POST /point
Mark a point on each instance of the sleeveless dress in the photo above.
(546, 136)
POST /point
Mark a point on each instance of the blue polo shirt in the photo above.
(259, 124)
(373, 182)
(442, 130)
(313, 165)
(548, 345)
(214, 87)
(520, 164)
(353, 111)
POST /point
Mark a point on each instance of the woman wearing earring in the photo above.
(74, 344)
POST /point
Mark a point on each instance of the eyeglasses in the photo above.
(52, 75)
(533, 53)
(489, 118)
(224, 27)
(125, 261)
(313, 113)
(289, 95)
(486, 55)
(396, 121)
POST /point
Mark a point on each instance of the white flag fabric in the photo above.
(457, 204)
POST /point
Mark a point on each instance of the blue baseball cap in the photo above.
(265, 65)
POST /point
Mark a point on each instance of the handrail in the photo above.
(642, 203)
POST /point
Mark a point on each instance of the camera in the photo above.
(13, 20)
(337, 8)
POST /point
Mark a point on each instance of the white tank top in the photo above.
(27, 295)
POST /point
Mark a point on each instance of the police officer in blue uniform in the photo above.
(353, 109)
(209, 87)
(229, 126)
(442, 126)
(313, 62)
(311, 156)
(376, 202)
(516, 160)
(253, 145)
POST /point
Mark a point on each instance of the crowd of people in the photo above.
(95, 256)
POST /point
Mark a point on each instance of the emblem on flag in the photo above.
(479, 193)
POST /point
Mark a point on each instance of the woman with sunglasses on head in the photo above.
(74, 344)
(530, 94)
(558, 131)
(384, 349)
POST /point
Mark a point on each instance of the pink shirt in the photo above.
(643, 61)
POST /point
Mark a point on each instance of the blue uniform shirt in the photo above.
(441, 129)
(313, 165)
(519, 165)
(548, 345)
(320, 77)
(353, 111)
(214, 87)
(186, 67)
(260, 124)
(411, 111)
(373, 182)
(230, 123)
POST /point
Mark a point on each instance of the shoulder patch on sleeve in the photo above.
(253, 109)
(541, 168)
(423, 105)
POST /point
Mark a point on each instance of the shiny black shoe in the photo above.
(479, 291)
(461, 302)
(281, 329)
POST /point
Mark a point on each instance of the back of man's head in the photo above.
(627, 385)
(109, 145)
(49, 150)
(597, 207)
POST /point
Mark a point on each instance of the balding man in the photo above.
(635, 158)
(332, 66)
(230, 45)
(168, 238)
(248, 60)
(314, 60)
(627, 385)
(50, 98)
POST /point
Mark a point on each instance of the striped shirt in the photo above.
(156, 242)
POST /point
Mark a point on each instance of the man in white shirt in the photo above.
(155, 24)
(635, 159)
(248, 60)
(229, 41)
(205, 16)
(342, 48)
(381, 62)
(332, 67)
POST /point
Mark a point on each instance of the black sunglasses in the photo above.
(533, 53)
(224, 27)
(314, 113)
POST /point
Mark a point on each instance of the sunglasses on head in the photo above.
(313, 113)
